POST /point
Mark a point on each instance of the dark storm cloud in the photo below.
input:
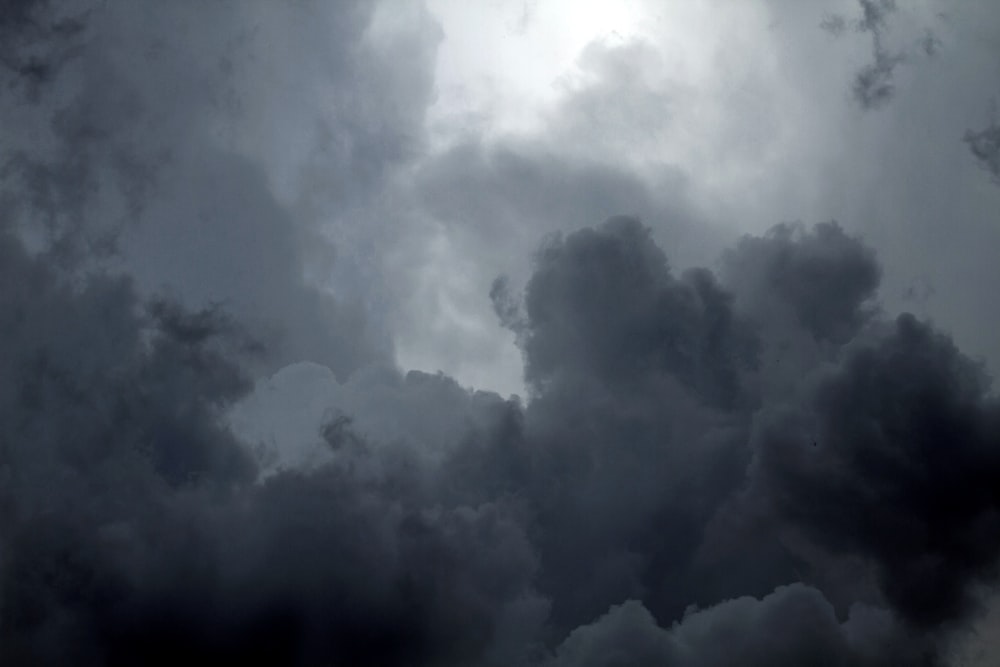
(893, 458)
(603, 303)
(135, 527)
(633, 371)
(916, 465)
(822, 280)
(133, 530)
(795, 625)
(104, 410)
(750, 468)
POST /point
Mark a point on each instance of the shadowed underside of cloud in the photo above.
(894, 458)
(136, 529)
(794, 625)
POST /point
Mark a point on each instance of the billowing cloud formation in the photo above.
(795, 625)
(134, 531)
(821, 280)
(751, 465)
(663, 326)
(136, 526)
(893, 459)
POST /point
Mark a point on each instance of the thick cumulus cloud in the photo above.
(578, 529)
(134, 531)
(664, 326)
(893, 459)
(105, 410)
(492, 200)
(794, 625)
(820, 281)
(753, 466)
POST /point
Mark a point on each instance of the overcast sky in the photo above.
(554, 333)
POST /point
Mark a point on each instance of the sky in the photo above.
(545, 333)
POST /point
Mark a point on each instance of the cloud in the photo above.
(985, 147)
(873, 86)
(108, 411)
(793, 625)
(445, 527)
(603, 304)
(215, 166)
(823, 280)
(134, 529)
(891, 458)
(37, 43)
(220, 225)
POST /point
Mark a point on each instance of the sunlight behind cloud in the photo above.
(499, 61)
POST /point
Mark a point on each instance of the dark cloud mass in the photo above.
(755, 464)
(893, 458)
(822, 280)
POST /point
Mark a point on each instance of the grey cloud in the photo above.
(148, 148)
(492, 201)
(690, 439)
(893, 458)
(219, 235)
(520, 190)
(630, 447)
(823, 279)
(104, 411)
(626, 635)
(794, 625)
(529, 524)
(37, 43)
(835, 24)
(985, 147)
(621, 103)
(321, 568)
(930, 43)
(603, 302)
(134, 531)
(874, 14)
(873, 85)
(901, 178)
